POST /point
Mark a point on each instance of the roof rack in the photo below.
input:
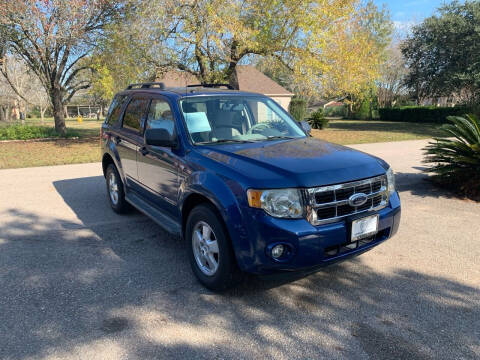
(228, 86)
(147, 85)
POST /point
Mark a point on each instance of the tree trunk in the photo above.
(232, 76)
(58, 114)
(8, 113)
(2, 114)
(42, 114)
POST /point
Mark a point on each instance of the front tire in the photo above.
(115, 190)
(209, 249)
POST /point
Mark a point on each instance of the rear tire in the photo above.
(210, 250)
(115, 190)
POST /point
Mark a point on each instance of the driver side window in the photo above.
(160, 116)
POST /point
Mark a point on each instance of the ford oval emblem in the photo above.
(357, 199)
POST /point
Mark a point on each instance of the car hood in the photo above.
(302, 162)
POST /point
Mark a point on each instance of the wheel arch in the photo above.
(221, 197)
(192, 201)
(107, 160)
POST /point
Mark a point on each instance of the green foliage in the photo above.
(298, 108)
(318, 120)
(363, 111)
(455, 158)
(421, 114)
(336, 111)
(442, 53)
(27, 132)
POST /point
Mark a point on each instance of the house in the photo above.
(333, 103)
(249, 79)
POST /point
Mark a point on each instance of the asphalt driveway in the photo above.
(80, 282)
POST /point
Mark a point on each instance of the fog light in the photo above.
(277, 251)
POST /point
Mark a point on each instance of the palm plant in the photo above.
(455, 158)
(318, 120)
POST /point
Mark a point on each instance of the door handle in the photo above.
(144, 151)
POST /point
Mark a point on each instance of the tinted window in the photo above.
(115, 109)
(160, 116)
(134, 113)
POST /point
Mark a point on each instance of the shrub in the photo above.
(455, 158)
(336, 111)
(318, 120)
(298, 109)
(363, 112)
(422, 114)
(26, 132)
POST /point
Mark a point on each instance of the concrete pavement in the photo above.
(80, 282)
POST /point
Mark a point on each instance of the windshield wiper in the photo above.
(280, 137)
(223, 141)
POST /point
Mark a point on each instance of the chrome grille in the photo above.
(329, 204)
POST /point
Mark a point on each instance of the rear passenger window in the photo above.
(160, 116)
(134, 113)
(115, 109)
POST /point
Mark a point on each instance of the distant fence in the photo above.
(85, 111)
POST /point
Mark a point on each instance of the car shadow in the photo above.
(420, 184)
(111, 286)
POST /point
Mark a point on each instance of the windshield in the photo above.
(220, 119)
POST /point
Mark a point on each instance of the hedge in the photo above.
(422, 114)
(27, 132)
(298, 108)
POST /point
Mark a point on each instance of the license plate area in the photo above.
(364, 227)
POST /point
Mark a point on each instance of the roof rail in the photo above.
(147, 85)
(228, 86)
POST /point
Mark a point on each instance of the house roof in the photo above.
(249, 79)
(333, 103)
(176, 78)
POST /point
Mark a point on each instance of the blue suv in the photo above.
(242, 182)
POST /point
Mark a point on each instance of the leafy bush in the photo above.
(26, 132)
(455, 158)
(318, 120)
(298, 108)
(422, 114)
(336, 111)
(363, 112)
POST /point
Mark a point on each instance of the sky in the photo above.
(406, 13)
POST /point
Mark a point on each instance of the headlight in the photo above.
(390, 181)
(283, 203)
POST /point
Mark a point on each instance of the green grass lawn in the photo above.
(36, 129)
(86, 147)
(83, 149)
(360, 132)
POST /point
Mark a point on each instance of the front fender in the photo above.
(226, 195)
(111, 149)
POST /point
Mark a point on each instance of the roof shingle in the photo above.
(249, 79)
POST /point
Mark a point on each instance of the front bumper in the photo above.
(311, 246)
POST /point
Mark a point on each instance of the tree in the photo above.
(116, 63)
(208, 38)
(7, 100)
(442, 53)
(356, 56)
(52, 36)
(22, 86)
(391, 84)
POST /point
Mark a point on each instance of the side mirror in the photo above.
(306, 127)
(159, 137)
